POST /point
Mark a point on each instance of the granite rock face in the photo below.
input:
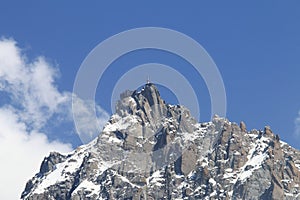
(153, 150)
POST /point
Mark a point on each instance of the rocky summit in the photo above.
(152, 150)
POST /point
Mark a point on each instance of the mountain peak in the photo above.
(150, 93)
(145, 103)
(149, 90)
(152, 150)
(149, 107)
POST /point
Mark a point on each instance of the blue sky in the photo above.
(256, 46)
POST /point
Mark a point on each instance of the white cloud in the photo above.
(33, 100)
(297, 125)
(30, 85)
(88, 125)
(21, 153)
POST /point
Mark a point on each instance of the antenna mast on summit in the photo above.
(148, 80)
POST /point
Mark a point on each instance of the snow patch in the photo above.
(156, 179)
(60, 174)
(124, 179)
(88, 186)
(121, 123)
(49, 180)
(212, 181)
(297, 165)
(255, 158)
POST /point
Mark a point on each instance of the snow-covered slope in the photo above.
(152, 150)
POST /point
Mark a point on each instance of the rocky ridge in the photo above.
(152, 150)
